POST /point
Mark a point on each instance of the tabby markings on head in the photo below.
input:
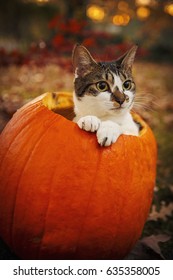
(88, 73)
(111, 81)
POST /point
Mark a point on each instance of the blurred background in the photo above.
(36, 42)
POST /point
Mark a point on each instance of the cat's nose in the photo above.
(118, 96)
(119, 101)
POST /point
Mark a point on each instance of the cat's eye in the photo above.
(127, 85)
(102, 86)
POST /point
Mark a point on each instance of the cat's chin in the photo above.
(119, 110)
(116, 109)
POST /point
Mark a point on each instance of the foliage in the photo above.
(65, 33)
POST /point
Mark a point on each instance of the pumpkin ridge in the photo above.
(140, 144)
(120, 214)
(29, 110)
(25, 113)
(3, 158)
(88, 141)
(46, 213)
(87, 208)
(18, 183)
(25, 125)
(29, 107)
(44, 227)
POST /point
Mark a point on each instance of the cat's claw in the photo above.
(108, 133)
(89, 123)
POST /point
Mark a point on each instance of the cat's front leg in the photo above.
(89, 123)
(108, 133)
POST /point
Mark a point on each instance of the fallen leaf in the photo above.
(148, 248)
(165, 211)
(153, 240)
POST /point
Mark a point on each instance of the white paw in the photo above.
(89, 123)
(108, 133)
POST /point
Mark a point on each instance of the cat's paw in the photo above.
(108, 133)
(89, 123)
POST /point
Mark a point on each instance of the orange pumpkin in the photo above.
(62, 196)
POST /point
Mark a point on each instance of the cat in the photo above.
(103, 95)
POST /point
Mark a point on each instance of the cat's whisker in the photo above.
(141, 98)
(147, 99)
(108, 103)
(109, 106)
(142, 107)
(140, 102)
(138, 105)
(145, 94)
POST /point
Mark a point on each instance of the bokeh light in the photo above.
(143, 2)
(169, 9)
(143, 13)
(42, 1)
(95, 12)
(121, 20)
(123, 6)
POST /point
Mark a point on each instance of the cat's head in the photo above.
(103, 88)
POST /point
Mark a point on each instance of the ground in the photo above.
(19, 84)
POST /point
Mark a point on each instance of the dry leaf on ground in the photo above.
(148, 248)
(165, 211)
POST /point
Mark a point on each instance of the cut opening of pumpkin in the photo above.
(62, 103)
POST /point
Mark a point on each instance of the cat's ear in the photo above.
(83, 63)
(126, 60)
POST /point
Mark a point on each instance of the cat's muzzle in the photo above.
(119, 97)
